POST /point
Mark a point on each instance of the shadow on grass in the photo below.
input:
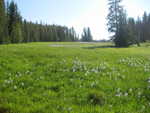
(4, 110)
(95, 47)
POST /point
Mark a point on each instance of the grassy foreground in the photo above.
(74, 78)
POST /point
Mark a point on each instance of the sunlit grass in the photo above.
(84, 78)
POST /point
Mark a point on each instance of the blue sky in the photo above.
(77, 13)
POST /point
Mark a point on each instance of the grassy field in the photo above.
(74, 78)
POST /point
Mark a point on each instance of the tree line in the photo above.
(127, 31)
(15, 29)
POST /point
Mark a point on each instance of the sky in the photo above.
(78, 13)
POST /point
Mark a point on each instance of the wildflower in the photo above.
(15, 87)
(139, 93)
(110, 106)
(22, 84)
(148, 87)
(126, 94)
(118, 90)
(86, 73)
(119, 94)
(148, 80)
(69, 109)
(130, 90)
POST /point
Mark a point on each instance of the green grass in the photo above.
(74, 78)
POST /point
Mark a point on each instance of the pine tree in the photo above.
(113, 16)
(114, 19)
(86, 35)
(122, 38)
(72, 34)
(16, 33)
(145, 30)
(139, 29)
(90, 38)
(2, 22)
(117, 24)
(133, 31)
(14, 23)
(148, 27)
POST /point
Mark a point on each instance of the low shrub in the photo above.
(96, 97)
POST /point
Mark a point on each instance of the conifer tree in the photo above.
(145, 29)
(86, 35)
(117, 24)
(2, 22)
(113, 15)
(16, 33)
(14, 23)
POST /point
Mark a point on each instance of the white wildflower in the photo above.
(15, 87)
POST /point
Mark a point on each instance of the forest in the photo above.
(126, 30)
(15, 29)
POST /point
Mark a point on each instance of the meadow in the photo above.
(74, 78)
